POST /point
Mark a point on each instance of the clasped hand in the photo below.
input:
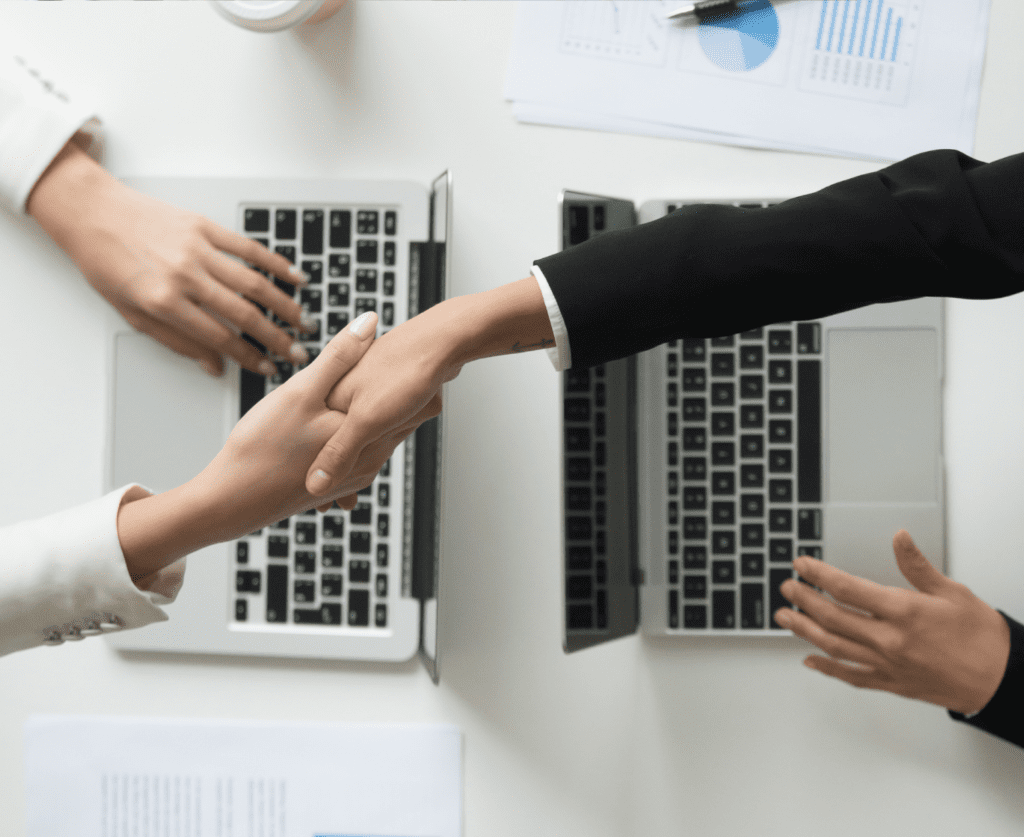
(939, 644)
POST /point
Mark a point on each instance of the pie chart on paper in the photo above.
(742, 39)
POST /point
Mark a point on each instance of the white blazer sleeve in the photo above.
(36, 121)
(64, 577)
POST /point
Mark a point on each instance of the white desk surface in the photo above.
(634, 738)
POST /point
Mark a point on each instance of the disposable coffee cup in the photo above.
(275, 15)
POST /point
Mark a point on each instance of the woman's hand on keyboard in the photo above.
(168, 272)
(943, 644)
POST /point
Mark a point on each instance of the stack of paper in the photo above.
(876, 79)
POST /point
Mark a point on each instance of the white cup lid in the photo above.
(266, 15)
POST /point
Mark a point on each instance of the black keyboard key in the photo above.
(808, 338)
(358, 571)
(359, 543)
(752, 535)
(808, 443)
(331, 584)
(695, 498)
(723, 395)
(247, 581)
(577, 409)
(694, 409)
(382, 555)
(780, 491)
(780, 372)
(751, 357)
(277, 593)
(809, 524)
(751, 446)
(723, 424)
(577, 380)
(282, 524)
(727, 340)
(257, 220)
(336, 321)
(578, 528)
(673, 608)
(380, 585)
(241, 610)
(780, 342)
(339, 265)
(359, 608)
(780, 461)
(577, 468)
(383, 525)
(694, 349)
(751, 416)
(695, 468)
(752, 564)
(723, 609)
(341, 228)
(277, 546)
(695, 587)
(752, 476)
(695, 558)
(389, 253)
(723, 482)
(315, 271)
(387, 313)
(780, 520)
(242, 552)
(390, 222)
(334, 526)
(694, 438)
(305, 561)
(751, 606)
(780, 549)
(673, 513)
(673, 483)
(695, 616)
(578, 587)
(380, 615)
(577, 439)
(780, 401)
(723, 543)
(366, 280)
(600, 455)
(361, 515)
(313, 231)
(577, 498)
(723, 513)
(333, 555)
(338, 294)
(723, 364)
(751, 386)
(780, 431)
(673, 572)
(326, 614)
(579, 617)
(811, 551)
(751, 505)
(695, 528)
(285, 223)
(579, 558)
(672, 364)
(311, 300)
(366, 253)
(723, 453)
(723, 572)
(305, 533)
(367, 221)
(775, 597)
(304, 590)
(694, 379)
(252, 389)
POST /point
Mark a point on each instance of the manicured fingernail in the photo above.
(319, 482)
(309, 323)
(360, 323)
(267, 368)
(300, 275)
(298, 354)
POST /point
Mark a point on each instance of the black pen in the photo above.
(704, 9)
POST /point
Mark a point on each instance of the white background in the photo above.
(636, 737)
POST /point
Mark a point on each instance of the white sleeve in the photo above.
(560, 355)
(64, 576)
(36, 121)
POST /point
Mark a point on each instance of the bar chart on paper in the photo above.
(862, 49)
(621, 30)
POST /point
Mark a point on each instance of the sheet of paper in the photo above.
(880, 79)
(149, 777)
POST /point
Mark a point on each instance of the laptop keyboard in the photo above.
(338, 568)
(742, 472)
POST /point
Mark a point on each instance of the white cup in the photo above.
(275, 15)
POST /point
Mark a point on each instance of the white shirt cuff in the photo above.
(64, 576)
(36, 121)
(560, 355)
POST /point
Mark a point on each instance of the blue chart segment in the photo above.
(743, 39)
(866, 28)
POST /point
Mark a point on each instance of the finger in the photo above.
(177, 342)
(829, 615)
(253, 252)
(863, 678)
(849, 589)
(215, 297)
(340, 355)
(204, 329)
(839, 647)
(326, 507)
(348, 502)
(254, 286)
(916, 568)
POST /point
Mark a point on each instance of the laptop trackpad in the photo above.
(883, 416)
(169, 416)
(883, 448)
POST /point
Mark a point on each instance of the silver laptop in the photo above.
(694, 473)
(359, 585)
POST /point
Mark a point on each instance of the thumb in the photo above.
(341, 354)
(916, 568)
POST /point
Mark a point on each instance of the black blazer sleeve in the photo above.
(936, 224)
(1003, 716)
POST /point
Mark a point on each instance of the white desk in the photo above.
(634, 738)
